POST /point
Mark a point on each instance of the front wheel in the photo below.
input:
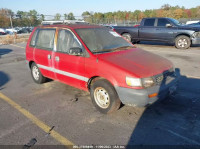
(182, 42)
(135, 42)
(104, 97)
(127, 36)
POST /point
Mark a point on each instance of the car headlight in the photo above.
(137, 82)
(196, 34)
(147, 82)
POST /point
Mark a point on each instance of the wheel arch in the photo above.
(30, 63)
(94, 78)
(182, 34)
(125, 32)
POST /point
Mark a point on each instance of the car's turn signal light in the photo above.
(153, 95)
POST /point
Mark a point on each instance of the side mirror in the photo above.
(168, 25)
(76, 51)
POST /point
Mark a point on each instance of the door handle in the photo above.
(49, 56)
(57, 58)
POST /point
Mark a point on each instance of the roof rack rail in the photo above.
(51, 22)
(67, 22)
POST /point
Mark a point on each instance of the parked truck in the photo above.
(162, 30)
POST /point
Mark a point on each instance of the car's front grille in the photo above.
(163, 77)
(159, 79)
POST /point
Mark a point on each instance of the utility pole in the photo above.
(12, 27)
(11, 22)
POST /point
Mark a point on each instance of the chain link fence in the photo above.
(119, 22)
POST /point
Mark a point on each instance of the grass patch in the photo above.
(11, 39)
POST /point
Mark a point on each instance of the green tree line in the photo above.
(166, 10)
(30, 18)
(33, 18)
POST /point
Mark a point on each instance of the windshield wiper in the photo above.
(101, 51)
(122, 48)
(113, 49)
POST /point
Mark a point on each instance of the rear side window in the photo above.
(33, 40)
(163, 22)
(149, 22)
(45, 39)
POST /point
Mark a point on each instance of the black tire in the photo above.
(182, 42)
(135, 42)
(40, 78)
(114, 101)
(127, 36)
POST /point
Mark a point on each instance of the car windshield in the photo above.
(176, 22)
(101, 40)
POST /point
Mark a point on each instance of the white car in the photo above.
(11, 31)
(191, 22)
(2, 31)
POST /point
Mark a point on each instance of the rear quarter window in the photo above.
(33, 39)
(45, 39)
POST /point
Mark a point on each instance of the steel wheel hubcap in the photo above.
(182, 43)
(35, 73)
(127, 37)
(101, 97)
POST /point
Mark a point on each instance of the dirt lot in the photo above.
(175, 121)
(10, 39)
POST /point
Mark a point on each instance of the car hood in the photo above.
(190, 27)
(136, 62)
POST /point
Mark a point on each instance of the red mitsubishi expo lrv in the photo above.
(98, 60)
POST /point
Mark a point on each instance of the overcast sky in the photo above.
(51, 7)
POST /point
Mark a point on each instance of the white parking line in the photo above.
(183, 137)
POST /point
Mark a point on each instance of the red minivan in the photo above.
(98, 60)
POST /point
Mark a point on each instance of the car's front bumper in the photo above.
(140, 97)
(196, 41)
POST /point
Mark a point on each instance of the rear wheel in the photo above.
(135, 42)
(104, 97)
(36, 74)
(127, 36)
(182, 42)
